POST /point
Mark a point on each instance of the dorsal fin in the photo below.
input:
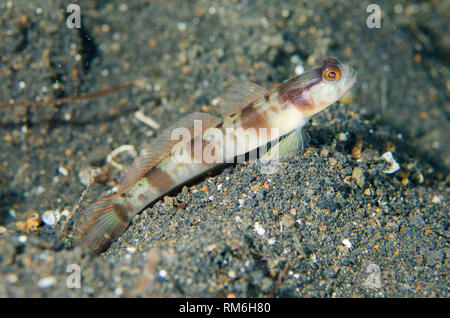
(162, 146)
(239, 96)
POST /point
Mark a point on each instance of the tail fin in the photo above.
(100, 224)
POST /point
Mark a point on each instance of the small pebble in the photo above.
(12, 213)
(50, 217)
(436, 199)
(232, 274)
(393, 165)
(342, 137)
(118, 291)
(39, 190)
(358, 175)
(210, 247)
(22, 85)
(259, 229)
(162, 273)
(287, 220)
(131, 249)
(12, 278)
(181, 26)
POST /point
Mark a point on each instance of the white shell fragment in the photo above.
(47, 282)
(393, 165)
(51, 217)
(259, 229)
(146, 119)
(143, 83)
(124, 148)
(347, 243)
(63, 171)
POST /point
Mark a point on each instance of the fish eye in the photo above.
(331, 73)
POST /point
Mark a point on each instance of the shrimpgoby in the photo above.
(252, 118)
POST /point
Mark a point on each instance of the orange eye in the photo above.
(331, 73)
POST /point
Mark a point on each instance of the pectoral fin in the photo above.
(285, 148)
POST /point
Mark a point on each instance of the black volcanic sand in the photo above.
(329, 222)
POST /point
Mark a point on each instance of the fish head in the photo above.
(317, 89)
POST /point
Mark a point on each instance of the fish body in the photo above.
(252, 118)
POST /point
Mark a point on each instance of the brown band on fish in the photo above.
(252, 118)
(293, 90)
(159, 179)
(122, 211)
(303, 103)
